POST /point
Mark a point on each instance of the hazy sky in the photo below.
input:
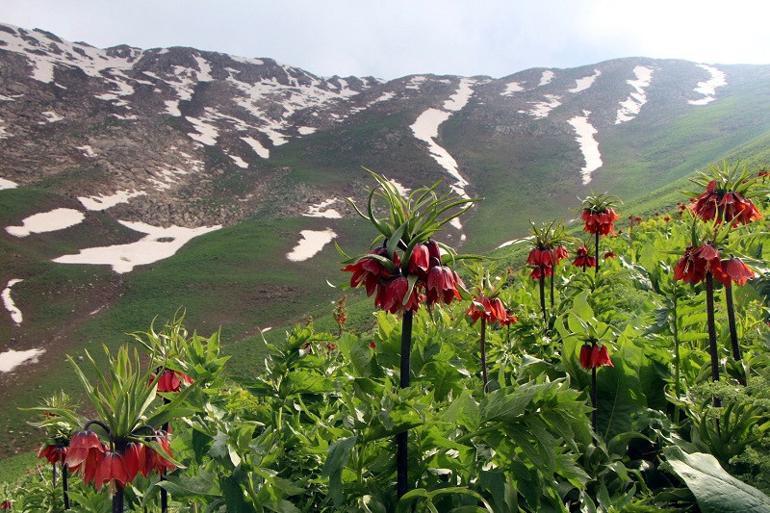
(391, 38)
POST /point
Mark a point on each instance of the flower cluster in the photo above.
(543, 259)
(594, 356)
(583, 259)
(697, 261)
(724, 205)
(599, 221)
(100, 464)
(6, 504)
(491, 310)
(386, 277)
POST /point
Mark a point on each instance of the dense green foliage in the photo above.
(311, 427)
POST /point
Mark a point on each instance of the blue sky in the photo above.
(393, 38)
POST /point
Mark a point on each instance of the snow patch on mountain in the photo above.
(204, 69)
(3, 133)
(11, 359)
(388, 95)
(87, 151)
(238, 161)
(581, 84)
(97, 203)
(399, 187)
(257, 147)
(122, 88)
(51, 117)
(44, 53)
(247, 60)
(709, 87)
(311, 242)
(512, 87)
(322, 210)
(124, 117)
(16, 315)
(426, 127)
(515, 241)
(172, 108)
(415, 82)
(205, 133)
(166, 176)
(7, 184)
(460, 98)
(631, 106)
(541, 109)
(51, 221)
(589, 146)
(158, 244)
(306, 130)
(546, 78)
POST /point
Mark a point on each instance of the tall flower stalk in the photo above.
(125, 441)
(407, 268)
(724, 202)
(592, 356)
(547, 251)
(599, 218)
(59, 420)
(487, 307)
(698, 265)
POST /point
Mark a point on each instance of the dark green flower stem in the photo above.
(482, 345)
(117, 499)
(553, 273)
(712, 331)
(542, 296)
(163, 491)
(677, 359)
(402, 457)
(596, 260)
(736, 348)
(594, 401)
(65, 491)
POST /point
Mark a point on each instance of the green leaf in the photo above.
(715, 490)
(339, 455)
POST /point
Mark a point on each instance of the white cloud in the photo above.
(391, 39)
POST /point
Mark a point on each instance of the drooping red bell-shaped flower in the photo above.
(171, 381)
(442, 285)
(600, 357)
(83, 444)
(133, 459)
(540, 256)
(53, 453)
(419, 261)
(585, 356)
(583, 259)
(367, 271)
(696, 262)
(735, 271)
(390, 293)
(111, 468)
(490, 309)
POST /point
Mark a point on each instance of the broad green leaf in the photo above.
(715, 490)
